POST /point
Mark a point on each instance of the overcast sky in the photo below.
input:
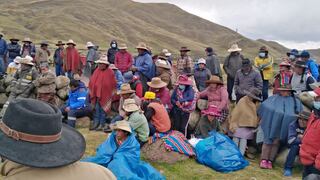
(294, 23)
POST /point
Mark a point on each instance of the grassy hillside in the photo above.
(159, 25)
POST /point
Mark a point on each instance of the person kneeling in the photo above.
(208, 122)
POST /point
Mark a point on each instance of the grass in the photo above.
(190, 169)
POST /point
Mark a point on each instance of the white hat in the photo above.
(122, 125)
(234, 48)
(163, 64)
(27, 60)
(90, 44)
(71, 42)
(17, 59)
(130, 105)
(202, 61)
(166, 52)
(103, 60)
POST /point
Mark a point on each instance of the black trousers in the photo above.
(230, 84)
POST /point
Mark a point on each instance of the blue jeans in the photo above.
(99, 116)
(2, 65)
(59, 70)
(293, 152)
(152, 129)
(265, 88)
(117, 118)
(73, 114)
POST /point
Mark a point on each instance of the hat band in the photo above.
(28, 137)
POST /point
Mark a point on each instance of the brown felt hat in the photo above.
(214, 80)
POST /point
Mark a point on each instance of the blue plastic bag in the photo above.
(220, 153)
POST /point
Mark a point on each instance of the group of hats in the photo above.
(26, 60)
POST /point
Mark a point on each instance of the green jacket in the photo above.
(139, 124)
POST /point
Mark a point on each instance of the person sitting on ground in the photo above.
(295, 134)
(14, 66)
(244, 119)
(301, 79)
(39, 147)
(309, 148)
(76, 105)
(246, 78)
(118, 75)
(156, 114)
(208, 122)
(134, 82)
(137, 120)
(121, 154)
(201, 74)
(183, 102)
(162, 92)
(163, 71)
(217, 95)
(283, 77)
(46, 84)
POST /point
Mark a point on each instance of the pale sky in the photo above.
(293, 23)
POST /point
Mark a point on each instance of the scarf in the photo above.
(102, 87)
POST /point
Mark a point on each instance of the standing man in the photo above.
(13, 49)
(231, 65)
(212, 62)
(3, 52)
(246, 78)
(112, 51)
(71, 60)
(102, 87)
(28, 49)
(42, 54)
(293, 55)
(312, 66)
(264, 63)
(58, 58)
(123, 60)
(184, 63)
(91, 57)
(143, 66)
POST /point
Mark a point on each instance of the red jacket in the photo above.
(123, 61)
(310, 147)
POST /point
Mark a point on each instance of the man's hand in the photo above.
(67, 109)
(178, 104)
(133, 68)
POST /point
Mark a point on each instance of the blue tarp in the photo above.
(124, 161)
(220, 153)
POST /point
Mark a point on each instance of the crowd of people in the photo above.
(136, 98)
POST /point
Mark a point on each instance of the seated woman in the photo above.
(208, 122)
(301, 79)
(276, 113)
(121, 154)
(156, 114)
(162, 92)
(283, 77)
(217, 95)
(183, 102)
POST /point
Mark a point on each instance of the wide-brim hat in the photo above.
(166, 52)
(113, 67)
(27, 60)
(157, 83)
(214, 80)
(300, 63)
(122, 47)
(162, 56)
(27, 39)
(14, 39)
(60, 43)
(285, 63)
(304, 115)
(44, 43)
(234, 48)
(254, 93)
(122, 125)
(184, 49)
(103, 60)
(142, 45)
(17, 59)
(70, 41)
(33, 135)
(263, 49)
(126, 89)
(129, 105)
(184, 80)
(89, 44)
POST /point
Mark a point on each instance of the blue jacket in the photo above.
(145, 65)
(119, 78)
(188, 95)
(13, 50)
(312, 66)
(77, 98)
(3, 47)
(293, 132)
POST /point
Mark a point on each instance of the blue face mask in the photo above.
(316, 105)
(182, 87)
(262, 54)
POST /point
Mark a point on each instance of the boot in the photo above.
(94, 127)
(100, 128)
(107, 129)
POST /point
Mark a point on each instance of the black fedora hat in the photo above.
(32, 134)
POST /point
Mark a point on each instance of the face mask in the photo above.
(182, 87)
(292, 57)
(262, 54)
(316, 105)
(113, 45)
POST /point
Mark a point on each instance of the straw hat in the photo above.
(234, 48)
(113, 67)
(17, 59)
(162, 56)
(129, 105)
(126, 89)
(103, 60)
(184, 49)
(122, 125)
(142, 45)
(149, 95)
(90, 44)
(60, 43)
(122, 46)
(163, 64)
(71, 42)
(254, 93)
(166, 52)
(184, 80)
(157, 83)
(202, 61)
(27, 39)
(214, 80)
(27, 60)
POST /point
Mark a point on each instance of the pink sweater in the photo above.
(217, 97)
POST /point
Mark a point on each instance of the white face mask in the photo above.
(113, 45)
(262, 54)
(292, 56)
